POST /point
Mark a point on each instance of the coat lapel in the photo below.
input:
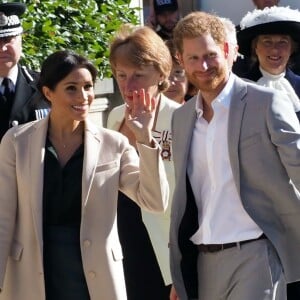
(35, 143)
(237, 107)
(36, 154)
(90, 160)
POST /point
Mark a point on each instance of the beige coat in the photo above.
(109, 164)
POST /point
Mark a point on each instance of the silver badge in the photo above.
(3, 19)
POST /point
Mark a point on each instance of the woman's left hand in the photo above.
(139, 116)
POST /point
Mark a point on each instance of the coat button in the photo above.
(14, 123)
(87, 243)
(92, 275)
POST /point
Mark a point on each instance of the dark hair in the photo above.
(59, 65)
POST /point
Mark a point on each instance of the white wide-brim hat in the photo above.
(271, 20)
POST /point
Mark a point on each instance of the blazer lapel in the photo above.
(237, 107)
(90, 160)
(184, 131)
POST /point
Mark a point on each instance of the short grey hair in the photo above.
(230, 30)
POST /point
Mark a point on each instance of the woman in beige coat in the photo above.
(59, 182)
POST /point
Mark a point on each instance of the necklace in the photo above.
(66, 145)
(69, 140)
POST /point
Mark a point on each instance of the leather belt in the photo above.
(219, 247)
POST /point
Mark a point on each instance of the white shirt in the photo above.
(222, 218)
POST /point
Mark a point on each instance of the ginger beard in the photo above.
(209, 80)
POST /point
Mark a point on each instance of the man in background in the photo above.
(163, 17)
(20, 101)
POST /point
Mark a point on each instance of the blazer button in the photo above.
(92, 275)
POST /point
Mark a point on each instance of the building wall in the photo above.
(233, 9)
(236, 9)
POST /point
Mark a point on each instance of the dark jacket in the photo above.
(27, 105)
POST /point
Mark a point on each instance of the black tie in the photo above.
(7, 92)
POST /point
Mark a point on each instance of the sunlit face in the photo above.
(72, 97)
(178, 84)
(10, 53)
(205, 63)
(131, 78)
(261, 4)
(273, 52)
(168, 20)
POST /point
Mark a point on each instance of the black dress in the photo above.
(142, 273)
(63, 270)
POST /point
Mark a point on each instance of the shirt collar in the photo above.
(224, 97)
(13, 75)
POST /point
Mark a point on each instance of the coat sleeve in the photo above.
(284, 129)
(143, 177)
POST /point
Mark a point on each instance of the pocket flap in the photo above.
(16, 250)
(107, 166)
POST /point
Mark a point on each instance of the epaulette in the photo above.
(27, 73)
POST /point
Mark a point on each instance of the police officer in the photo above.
(20, 100)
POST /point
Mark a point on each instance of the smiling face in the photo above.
(205, 63)
(72, 96)
(273, 52)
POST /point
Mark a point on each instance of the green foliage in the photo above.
(85, 26)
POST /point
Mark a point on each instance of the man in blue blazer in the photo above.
(236, 209)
